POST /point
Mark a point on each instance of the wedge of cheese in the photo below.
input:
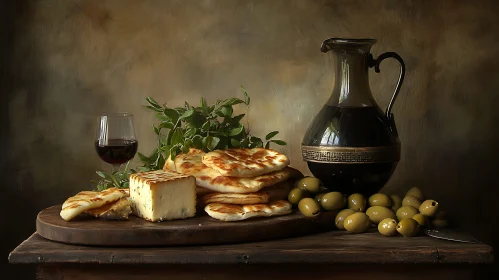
(163, 195)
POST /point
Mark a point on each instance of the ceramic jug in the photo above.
(351, 144)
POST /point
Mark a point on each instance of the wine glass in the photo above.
(116, 143)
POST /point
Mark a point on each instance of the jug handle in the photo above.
(375, 63)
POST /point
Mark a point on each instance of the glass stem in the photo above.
(116, 167)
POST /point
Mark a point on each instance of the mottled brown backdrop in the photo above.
(63, 62)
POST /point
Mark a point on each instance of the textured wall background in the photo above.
(63, 62)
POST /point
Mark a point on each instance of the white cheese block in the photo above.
(163, 195)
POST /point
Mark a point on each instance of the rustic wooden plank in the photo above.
(251, 272)
(336, 247)
(200, 230)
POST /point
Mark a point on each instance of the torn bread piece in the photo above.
(232, 212)
(118, 210)
(87, 200)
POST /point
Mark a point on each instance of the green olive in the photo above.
(408, 227)
(439, 223)
(357, 222)
(429, 208)
(379, 213)
(309, 207)
(318, 197)
(341, 216)
(333, 201)
(387, 227)
(421, 219)
(405, 212)
(411, 201)
(416, 192)
(310, 184)
(357, 202)
(380, 199)
(297, 194)
(396, 202)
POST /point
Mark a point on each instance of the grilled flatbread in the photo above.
(207, 177)
(245, 162)
(272, 193)
(232, 213)
(235, 198)
(118, 210)
(87, 200)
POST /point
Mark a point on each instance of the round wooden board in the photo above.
(200, 230)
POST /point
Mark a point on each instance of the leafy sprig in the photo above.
(205, 127)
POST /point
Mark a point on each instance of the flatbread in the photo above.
(235, 198)
(207, 177)
(232, 213)
(272, 193)
(245, 162)
(87, 200)
(118, 210)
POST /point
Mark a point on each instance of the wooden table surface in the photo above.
(335, 247)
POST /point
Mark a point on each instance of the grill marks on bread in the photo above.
(231, 212)
(191, 164)
(245, 162)
(87, 200)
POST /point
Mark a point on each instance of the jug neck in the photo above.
(351, 78)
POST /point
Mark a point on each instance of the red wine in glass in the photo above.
(116, 143)
(117, 151)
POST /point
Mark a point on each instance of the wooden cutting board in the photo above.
(200, 230)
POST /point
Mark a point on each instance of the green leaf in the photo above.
(207, 142)
(187, 106)
(165, 148)
(206, 126)
(211, 108)
(166, 124)
(214, 143)
(231, 102)
(245, 143)
(236, 131)
(154, 108)
(188, 143)
(103, 174)
(172, 114)
(144, 158)
(156, 130)
(162, 117)
(235, 143)
(187, 114)
(267, 145)
(144, 169)
(226, 111)
(180, 110)
(174, 151)
(178, 136)
(235, 120)
(279, 142)
(189, 133)
(246, 96)
(153, 102)
(271, 134)
(185, 149)
(197, 142)
(204, 106)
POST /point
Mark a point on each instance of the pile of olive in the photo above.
(391, 214)
(312, 197)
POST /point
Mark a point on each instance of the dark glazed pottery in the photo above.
(352, 145)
